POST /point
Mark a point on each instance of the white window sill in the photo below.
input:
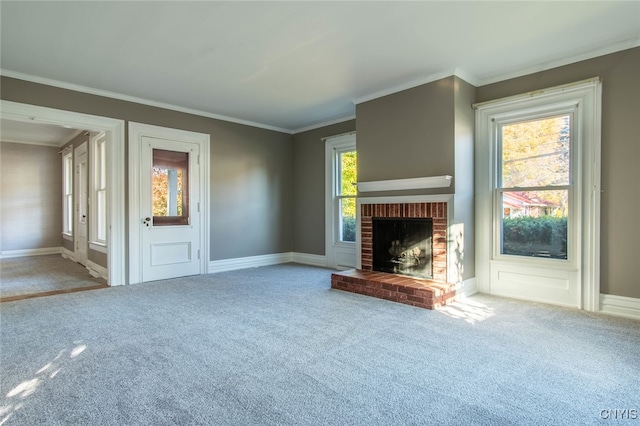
(102, 248)
(67, 236)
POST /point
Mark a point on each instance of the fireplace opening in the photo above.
(403, 246)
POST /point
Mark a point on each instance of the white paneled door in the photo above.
(170, 204)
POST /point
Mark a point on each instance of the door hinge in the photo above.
(198, 209)
(198, 253)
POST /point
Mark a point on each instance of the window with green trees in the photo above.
(347, 191)
(535, 186)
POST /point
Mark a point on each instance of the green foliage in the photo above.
(348, 228)
(535, 236)
(536, 153)
(348, 178)
(349, 171)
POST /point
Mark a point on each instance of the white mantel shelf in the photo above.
(405, 184)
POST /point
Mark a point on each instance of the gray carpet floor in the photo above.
(276, 346)
(38, 274)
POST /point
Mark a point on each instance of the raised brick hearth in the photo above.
(420, 292)
(408, 290)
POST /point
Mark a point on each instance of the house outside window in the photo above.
(535, 186)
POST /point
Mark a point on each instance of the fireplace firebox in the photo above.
(403, 246)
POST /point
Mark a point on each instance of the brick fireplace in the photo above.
(415, 291)
(437, 212)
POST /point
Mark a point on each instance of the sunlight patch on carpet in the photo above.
(468, 310)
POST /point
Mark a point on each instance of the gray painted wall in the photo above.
(31, 197)
(419, 132)
(408, 134)
(415, 120)
(251, 172)
(620, 233)
(463, 227)
(308, 187)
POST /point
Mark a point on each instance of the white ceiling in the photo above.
(292, 65)
(35, 133)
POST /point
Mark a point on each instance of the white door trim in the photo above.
(81, 205)
(587, 95)
(136, 132)
(114, 130)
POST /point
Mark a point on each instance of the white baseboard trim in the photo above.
(265, 260)
(30, 252)
(248, 262)
(310, 259)
(68, 254)
(467, 288)
(628, 307)
(96, 270)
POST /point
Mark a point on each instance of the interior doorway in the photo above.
(114, 196)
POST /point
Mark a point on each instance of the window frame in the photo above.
(552, 109)
(338, 254)
(67, 192)
(338, 197)
(587, 95)
(98, 188)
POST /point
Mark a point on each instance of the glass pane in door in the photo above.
(170, 187)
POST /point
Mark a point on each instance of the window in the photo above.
(537, 171)
(340, 200)
(170, 188)
(346, 192)
(67, 191)
(98, 196)
(535, 186)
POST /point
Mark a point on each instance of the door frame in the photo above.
(80, 254)
(114, 129)
(136, 132)
(587, 95)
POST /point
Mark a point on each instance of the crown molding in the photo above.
(478, 81)
(25, 142)
(134, 99)
(404, 86)
(324, 124)
(469, 78)
(44, 143)
(559, 62)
